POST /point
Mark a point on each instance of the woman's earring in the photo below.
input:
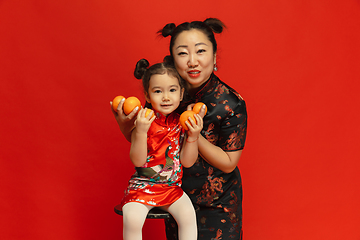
(215, 67)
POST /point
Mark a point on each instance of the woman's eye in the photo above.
(181, 53)
(201, 51)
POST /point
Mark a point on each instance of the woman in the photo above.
(213, 183)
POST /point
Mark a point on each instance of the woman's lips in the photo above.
(194, 73)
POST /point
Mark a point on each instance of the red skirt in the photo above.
(156, 195)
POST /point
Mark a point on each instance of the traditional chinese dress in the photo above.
(218, 195)
(158, 181)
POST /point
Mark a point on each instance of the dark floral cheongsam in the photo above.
(218, 195)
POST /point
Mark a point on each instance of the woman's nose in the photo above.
(193, 62)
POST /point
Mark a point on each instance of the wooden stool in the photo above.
(154, 213)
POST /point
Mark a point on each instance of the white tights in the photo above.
(134, 215)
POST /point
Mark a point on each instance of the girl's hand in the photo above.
(143, 123)
(194, 127)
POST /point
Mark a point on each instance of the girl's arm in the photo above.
(189, 152)
(138, 148)
(214, 155)
(125, 122)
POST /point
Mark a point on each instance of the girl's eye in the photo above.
(157, 91)
(173, 90)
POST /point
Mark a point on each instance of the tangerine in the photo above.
(185, 117)
(116, 101)
(148, 111)
(130, 104)
(198, 106)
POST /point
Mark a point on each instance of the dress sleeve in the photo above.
(233, 127)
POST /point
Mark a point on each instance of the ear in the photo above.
(214, 58)
(182, 94)
(147, 97)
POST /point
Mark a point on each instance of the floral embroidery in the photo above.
(162, 171)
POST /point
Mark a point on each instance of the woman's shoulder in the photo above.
(226, 93)
(223, 101)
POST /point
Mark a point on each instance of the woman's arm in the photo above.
(125, 122)
(138, 148)
(227, 161)
(214, 155)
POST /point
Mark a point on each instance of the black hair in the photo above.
(208, 27)
(144, 72)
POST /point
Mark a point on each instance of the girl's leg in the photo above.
(134, 215)
(183, 212)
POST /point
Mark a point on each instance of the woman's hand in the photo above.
(125, 122)
(202, 110)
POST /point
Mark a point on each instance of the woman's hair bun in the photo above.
(215, 24)
(141, 67)
(167, 30)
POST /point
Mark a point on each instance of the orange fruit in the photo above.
(185, 116)
(198, 106)
(116, 101)
(148, 111)
(131, 103)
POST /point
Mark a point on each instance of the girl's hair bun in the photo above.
(169, 60)
(140, 68)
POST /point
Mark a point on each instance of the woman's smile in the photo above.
(194, 73)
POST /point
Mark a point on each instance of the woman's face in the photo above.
(194, 57)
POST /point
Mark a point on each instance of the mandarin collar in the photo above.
(165, 121)
(207, 87)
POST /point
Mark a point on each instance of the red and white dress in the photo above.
(158, 181)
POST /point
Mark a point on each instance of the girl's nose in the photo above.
(165, 98)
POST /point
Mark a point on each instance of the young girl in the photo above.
(159, 148)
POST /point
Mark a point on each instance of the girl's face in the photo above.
(164, 93)
(194, 57)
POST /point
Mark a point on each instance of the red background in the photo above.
(64, 164)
